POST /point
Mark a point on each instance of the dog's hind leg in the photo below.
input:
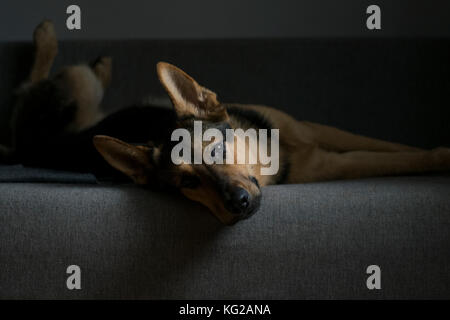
(87, 85)
(46, 49)
(334, 139)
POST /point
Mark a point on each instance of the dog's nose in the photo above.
(242, 198)
(239, 200)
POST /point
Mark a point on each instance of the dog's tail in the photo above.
(7, 155)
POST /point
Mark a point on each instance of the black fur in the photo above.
(284, 171)
(76, 152)
(250, 117)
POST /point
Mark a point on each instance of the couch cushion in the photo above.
(307, 241)
(19, 173)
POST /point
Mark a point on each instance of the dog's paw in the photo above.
(45, 38)
(103, 69)
(442, 157)
(103, 64)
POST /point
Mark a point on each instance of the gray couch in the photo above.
(307, 241)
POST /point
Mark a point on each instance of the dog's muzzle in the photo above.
(241, 203)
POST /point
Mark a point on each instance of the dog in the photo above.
(58, 123)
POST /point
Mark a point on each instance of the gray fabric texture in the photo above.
(307, 241)
(19, 173)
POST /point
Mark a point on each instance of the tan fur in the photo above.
(209, 198)
(85, 85)
(103, 71)
(319, 153)
(314, 152)
(46, 49)
(134, 161)
(242, 147)
(188, 97)
(87, 90)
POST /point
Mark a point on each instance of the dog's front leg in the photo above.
(361, 164)
(46, 49)
(321, 165)
(334, 139)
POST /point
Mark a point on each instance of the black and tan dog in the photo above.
(57, 118)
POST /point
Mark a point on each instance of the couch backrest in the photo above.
(391, 89)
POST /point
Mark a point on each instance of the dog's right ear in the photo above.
(188, 97)
(137, 162)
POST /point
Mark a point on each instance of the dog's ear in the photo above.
(188, 97)
(137, 162)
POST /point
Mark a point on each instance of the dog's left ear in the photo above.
(188, 97)
(137, 162)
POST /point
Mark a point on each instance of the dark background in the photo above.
(316, 60)
(105, 19)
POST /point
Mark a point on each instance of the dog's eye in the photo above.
(189, 182)
(254, 180)
(220, 147)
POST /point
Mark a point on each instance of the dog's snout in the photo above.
(241, 198)
(237, 200)
(240, 202)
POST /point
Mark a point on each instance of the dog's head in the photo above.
(230, 191)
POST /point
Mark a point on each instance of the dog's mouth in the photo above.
(230, 203)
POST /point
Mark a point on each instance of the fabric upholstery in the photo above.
(19, 173)
(308, 241)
